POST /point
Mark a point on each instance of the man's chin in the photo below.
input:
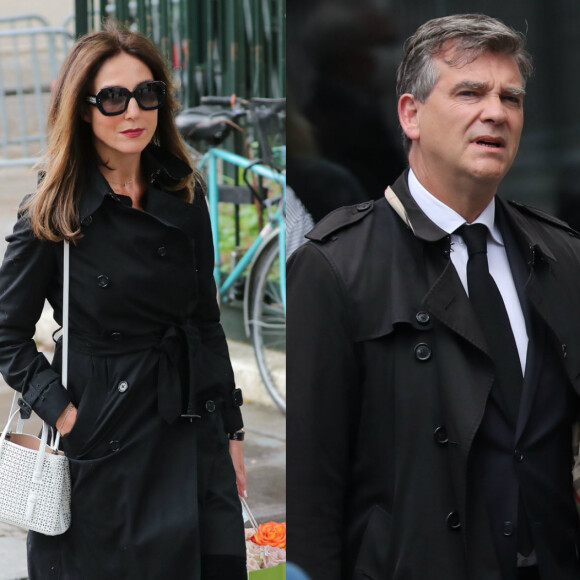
(490, 173)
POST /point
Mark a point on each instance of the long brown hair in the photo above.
(53, 209)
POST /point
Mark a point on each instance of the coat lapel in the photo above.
(171, 210)
(536, 346)
(465, 388)
(446, 298)
(95, 190)
(552, 300)
(448, 301)
(165, 172)
(553, 293)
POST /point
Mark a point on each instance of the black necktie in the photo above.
(490, 309)
(492, 315)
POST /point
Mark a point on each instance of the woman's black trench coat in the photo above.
(146, 346)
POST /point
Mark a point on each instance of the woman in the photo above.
(151, 397)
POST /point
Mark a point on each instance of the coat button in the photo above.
(123, 386)
(162, 251)
(564, 351)
(453, 521)
(115, 336)
(422, 317)
(422, 351)
(363, 206)
(103, 281)
(518, 456)
(440, 435)
(87, 221)
(114, 446)
(210, 406)
(508, 529)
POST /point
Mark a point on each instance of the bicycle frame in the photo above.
(211, 158)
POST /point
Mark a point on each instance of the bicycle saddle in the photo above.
(204, 123)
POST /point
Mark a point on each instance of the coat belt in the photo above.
(176, 348)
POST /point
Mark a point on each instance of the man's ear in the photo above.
(408, 109)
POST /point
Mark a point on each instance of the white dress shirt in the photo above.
(449, 220)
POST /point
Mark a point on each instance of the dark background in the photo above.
(342, 57)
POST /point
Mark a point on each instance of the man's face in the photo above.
(468, 130)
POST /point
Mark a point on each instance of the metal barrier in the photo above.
(30, 58)
(23, 21)
(216, 47)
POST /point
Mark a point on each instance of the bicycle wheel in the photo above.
(268, 323)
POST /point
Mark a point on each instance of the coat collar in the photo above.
(425, 229)
(163, 169)
(534, 244)
(422, 226)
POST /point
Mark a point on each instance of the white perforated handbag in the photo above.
(34, 475)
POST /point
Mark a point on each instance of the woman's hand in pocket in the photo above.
(67, 419)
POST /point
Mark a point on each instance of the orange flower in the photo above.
(271, 534)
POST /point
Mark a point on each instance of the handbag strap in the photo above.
(65, 308)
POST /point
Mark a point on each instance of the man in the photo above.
(431, 405)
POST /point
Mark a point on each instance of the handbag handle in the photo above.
(37, 473)
(247, 513)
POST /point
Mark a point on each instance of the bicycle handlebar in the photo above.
(222, 101)
(264, 101)
(233, 100)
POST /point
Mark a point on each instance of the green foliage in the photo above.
(227, 230)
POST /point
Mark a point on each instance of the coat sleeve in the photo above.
(218, 375)
(26, 274)
(322, 378)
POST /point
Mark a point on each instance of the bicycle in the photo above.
(264, 292)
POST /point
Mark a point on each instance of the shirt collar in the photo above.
(446, 218)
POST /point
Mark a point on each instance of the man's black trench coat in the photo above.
(144, 320)
(387, 385)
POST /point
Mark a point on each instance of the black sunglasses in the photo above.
(111, 101)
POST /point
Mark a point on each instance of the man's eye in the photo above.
(513, 100)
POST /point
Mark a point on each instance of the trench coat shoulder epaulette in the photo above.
(545, 217)
(338, 219)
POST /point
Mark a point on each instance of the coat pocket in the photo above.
(93, 398)
(372, 559)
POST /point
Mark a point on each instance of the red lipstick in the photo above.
(133, 133)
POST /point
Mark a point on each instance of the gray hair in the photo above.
(469, 36)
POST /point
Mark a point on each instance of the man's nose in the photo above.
(494, 109)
